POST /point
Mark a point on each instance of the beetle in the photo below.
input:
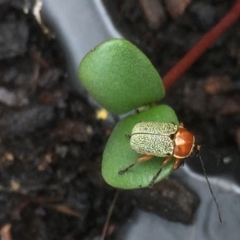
(165, 140)
(162, 140)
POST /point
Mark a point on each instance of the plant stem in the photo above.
(185, 63)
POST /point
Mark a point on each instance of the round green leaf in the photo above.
(118, 153)
(120, 77)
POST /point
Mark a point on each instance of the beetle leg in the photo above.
(144, 158)
(181, 125)
(126, 169)
(141, 159)
(167, 160)
(150, 185)
(178, 162)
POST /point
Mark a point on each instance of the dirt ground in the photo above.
(51, 141)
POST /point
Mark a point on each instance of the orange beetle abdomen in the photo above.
(184, 143)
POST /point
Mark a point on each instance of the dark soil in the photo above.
(207, 97)
(51, 142)
(51, 147)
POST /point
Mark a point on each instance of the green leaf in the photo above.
(120, 77)
(118, 153)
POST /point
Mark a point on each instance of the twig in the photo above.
(110, 210)
(185, 63)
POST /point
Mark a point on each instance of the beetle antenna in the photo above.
(210, 188)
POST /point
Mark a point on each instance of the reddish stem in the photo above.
(185, 63)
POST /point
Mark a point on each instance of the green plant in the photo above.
(121, 78)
